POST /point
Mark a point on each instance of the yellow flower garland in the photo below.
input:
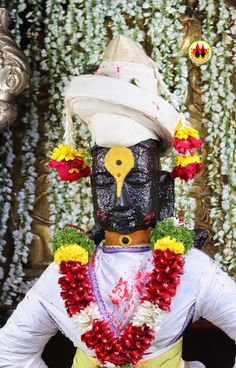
(169, 243)
(184, 133)
(186, 160)
(71, 252)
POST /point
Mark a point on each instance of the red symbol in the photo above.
(200, 51)
(101, 215)
(147, 218)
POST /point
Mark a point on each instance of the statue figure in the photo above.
(124, 303)
(14, 72)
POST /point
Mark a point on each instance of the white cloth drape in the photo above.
(204, 291)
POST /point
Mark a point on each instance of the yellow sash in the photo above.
(169, 359)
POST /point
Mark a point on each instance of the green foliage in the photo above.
(70, 235)
(168, 228)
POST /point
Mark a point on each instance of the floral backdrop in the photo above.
(63, 38)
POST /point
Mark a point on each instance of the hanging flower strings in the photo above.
(187, 164)
(170, 241)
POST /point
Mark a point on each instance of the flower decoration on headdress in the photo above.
(186, 163)
(70, 164)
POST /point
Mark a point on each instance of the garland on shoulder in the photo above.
(170, 241)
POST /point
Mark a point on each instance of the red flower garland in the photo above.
(187, 172)
(164, 279)
(130, 346)
(71, 170)
(76, 286)
(183, 145)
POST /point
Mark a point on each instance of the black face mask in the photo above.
(147, 194)
(137, 207)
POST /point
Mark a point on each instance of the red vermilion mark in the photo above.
(126, 294)
(126, 314)
(148, 217)
(155, 104)
(92, 261)
(118, 69)
(101, 215)
(120, 293)
(75, 227)
(140, 280)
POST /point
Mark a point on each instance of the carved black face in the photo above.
(137, 206)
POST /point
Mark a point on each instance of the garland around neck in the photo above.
(170, 241)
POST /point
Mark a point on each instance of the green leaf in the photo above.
(70, 235)
(168, 228)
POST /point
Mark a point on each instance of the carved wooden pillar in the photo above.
(199, 190)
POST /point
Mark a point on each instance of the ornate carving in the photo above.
(8, 113)
(40, 254)
(14, 71)
(199, 189)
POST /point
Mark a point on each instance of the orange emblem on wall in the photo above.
(200, 52)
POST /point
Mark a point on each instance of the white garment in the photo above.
(204, 291)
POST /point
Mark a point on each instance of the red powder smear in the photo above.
(127, 293)
(120, 292)
(125, 315)
(101, 215)
(147, 218)
(92, 261)
(140, 280)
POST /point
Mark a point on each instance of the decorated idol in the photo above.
(124, 293)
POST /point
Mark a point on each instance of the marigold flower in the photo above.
(67, 153)
(184, 133)
(169, 243)
(186, 160)
(71, 252)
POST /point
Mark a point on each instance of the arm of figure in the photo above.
(25, 335)
(216, 300)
